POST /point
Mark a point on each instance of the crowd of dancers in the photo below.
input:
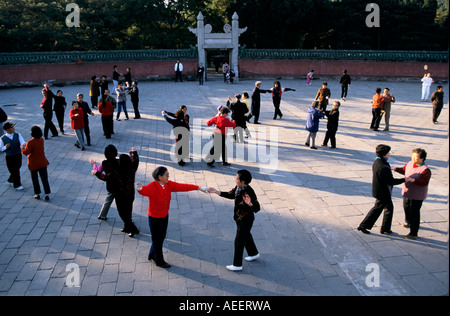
(119, 173)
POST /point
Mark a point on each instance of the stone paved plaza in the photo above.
(312, 201)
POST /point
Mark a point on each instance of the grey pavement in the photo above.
(312, 201)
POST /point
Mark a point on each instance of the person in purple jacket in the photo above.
(312, 123)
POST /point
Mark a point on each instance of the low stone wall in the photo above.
(36, 74)
(259, 68)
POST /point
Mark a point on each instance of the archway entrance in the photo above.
(224, 46)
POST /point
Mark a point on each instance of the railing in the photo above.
(321, 54)
(189, 54)
(95, 56)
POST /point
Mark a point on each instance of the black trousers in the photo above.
(219, 146)
(44, 178)
(87, 132)
(412, 214)
(178, 75)
(376, 211)
(125, 210)
(158, 229)
(276, 104)
(243, 239)
(48, 115)
(255, 112)
(13, 163)
(107, 123)
(344, 90)
(376, 118)
(136, 109)
(60, 117)
(330, 135)
(436, 112)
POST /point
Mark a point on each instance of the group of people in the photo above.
(414, 191)
(119, 173)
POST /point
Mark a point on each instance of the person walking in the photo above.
(332, 124)
(77, 122)
(220, 134)
(437, 99)
(312, 124)
(309, 77)
(37, 162)
(121, 102)
(108, 166)
(256, 102)
(345, 82)
(11, 144)
(47, 108)
(427, 81)
(382, 183)
(277, 91)
(106, 110)
(245, 206)
(388, 99)
(60, 108)
(323, 94)
(178, 71)
(377, 108)
(415, 190)
(159, 196)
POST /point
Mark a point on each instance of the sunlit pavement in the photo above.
(312, 201)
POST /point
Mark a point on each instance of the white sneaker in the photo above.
(251, 258)
(19, 188)
(234, 268)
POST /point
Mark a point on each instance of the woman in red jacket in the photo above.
(77, 123)
(159, 195)
(220, 135)
(106, 110)
(37, 162)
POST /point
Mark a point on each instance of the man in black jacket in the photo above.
(256, 102)
(382, 183)
(245, 205)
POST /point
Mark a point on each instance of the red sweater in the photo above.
(77, 121)
(106, 109)
(221, 123)
(34, 149)
(159, 197)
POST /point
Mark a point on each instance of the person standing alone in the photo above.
(178, 71)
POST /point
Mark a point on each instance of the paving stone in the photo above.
(311, 203)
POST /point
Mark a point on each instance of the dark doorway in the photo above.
(215, 59)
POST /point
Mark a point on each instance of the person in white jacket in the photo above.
(178, 71)
(426, 85)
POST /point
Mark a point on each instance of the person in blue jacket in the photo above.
(312, 124)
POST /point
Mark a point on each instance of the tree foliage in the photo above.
(32, 25)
